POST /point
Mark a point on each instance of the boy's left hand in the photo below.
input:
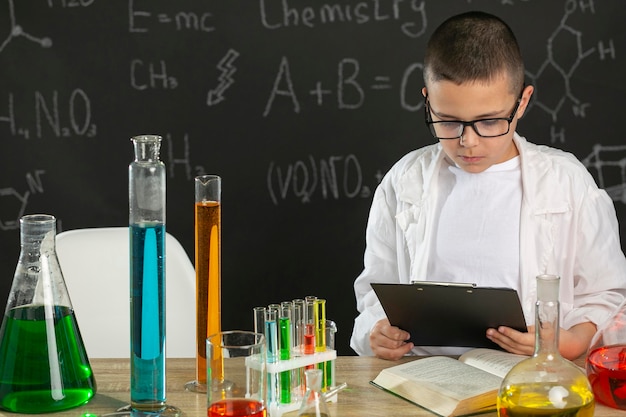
(513, 340)
(572, 342)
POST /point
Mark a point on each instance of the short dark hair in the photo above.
(473, 46)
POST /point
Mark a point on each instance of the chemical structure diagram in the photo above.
(13, 202)
(17, 31)
(557, 66)
(11, 199)
(609, 158)
(603, 158)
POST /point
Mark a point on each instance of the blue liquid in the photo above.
(147, 316)
(271, 340)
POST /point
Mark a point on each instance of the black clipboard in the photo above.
(450, 314)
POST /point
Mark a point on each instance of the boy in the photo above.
(485, 203)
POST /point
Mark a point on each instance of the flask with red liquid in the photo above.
(606, 361)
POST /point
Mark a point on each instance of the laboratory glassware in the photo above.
(146, 176)
(546, 384)
(606, 361)
(236, 374)
(43, 364)
(314, 401)
(208, 242)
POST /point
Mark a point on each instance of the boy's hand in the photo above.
(512, 340)
(389, 342)
(573, 342)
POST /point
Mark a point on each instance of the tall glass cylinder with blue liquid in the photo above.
(147, 277)
(43, 364)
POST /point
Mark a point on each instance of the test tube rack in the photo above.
(274, 369)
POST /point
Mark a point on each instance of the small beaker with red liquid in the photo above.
(237, 379)
(606, 361)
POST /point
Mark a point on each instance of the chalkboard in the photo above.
(300, 105)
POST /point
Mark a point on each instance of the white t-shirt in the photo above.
(477, 238)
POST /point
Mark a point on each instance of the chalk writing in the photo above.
(334, 177)
(605, 162)
(50, 110)
(153, 76)
(507, 2)
(553, 77)
(71, 119)
(13, 203)
(225, 65)
(350, 87)
(139, 20)
(182, 159)
(411, 15)
(16, 31)
(71, 3)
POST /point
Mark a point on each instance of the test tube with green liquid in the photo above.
(329, 366)
(285, 354)
(297, 326)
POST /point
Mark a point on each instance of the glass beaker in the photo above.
(236, 374)
(43, 363)
(546, 384)
(208, 236)
(606, 361)
(146, 176)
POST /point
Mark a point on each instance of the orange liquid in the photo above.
(208, 280)
(236, 408)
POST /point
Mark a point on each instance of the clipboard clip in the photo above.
(445, 284)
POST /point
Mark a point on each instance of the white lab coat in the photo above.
(568, 227)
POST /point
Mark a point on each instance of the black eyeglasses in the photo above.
(453, 129)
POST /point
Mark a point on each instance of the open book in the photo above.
(451, 387)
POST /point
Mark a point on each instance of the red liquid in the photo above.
(236, 408)
(606, 369)
(309, 339)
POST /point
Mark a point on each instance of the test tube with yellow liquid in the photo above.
(208, 228)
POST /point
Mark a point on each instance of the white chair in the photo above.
(95, 264)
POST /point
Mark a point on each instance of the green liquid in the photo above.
(43, 364)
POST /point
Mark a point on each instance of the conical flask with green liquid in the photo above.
(43, 363)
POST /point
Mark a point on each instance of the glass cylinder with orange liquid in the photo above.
(208, 231)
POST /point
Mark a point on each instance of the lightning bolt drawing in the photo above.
(216, 96)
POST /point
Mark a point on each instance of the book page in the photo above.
(496, 362)
(449, 376)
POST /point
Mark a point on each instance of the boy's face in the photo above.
(471, 101)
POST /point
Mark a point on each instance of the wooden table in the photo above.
(360, 399)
